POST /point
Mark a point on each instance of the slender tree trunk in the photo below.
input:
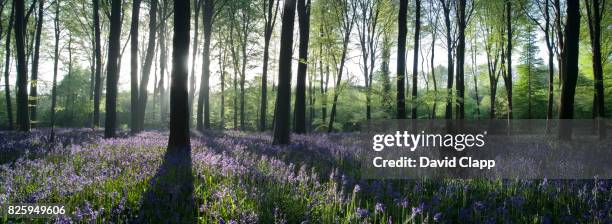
(222, 67)
(194, 53)
(415, 59)
(55, 67)
(179, 111)
(508, 76)
(7, 61)
(282, 112)
(203, 120)
(23, 117)
(433, 74)
(268, 28)
(594, 11)
(246, 20)
(134, 66)
(162, 66)
(387, 101)
(401, 59)
(146, 68)
(98, 53)
(35, 62)
(570, 68)
(347, 26)
(461, 60)
(448, 114)
(112, 75)
(303, 9)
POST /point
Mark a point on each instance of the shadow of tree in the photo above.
(169, 197)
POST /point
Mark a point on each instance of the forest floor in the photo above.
(238, 177)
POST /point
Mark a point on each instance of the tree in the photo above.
(303, 9)
(7, 61)
(489, 26)
(450, 45)
(36, 58)
(134, 65)
(433, 20)
(345, 14)
(23, 118)
(544, 9)
(98, 59)
(179, 111)
(461, 24)
(507, 76)
(146, 68)
(56, 23)
(283, 98)
(595, 10)
(112, 76)
(269, 21)
(368, 40)
(529, 70)
(401, 59)
(569, 67)
(194, 53)
(415, 59)
(203, 100)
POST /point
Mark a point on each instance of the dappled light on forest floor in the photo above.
(239, 177)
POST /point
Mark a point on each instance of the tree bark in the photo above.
(179, 111)
(508, 75)
(55, 67)
(203, 121)
(146, 68)
(134, 66)
(401, 59)
(98, 59)
(283, 97)
(303, 9)
(23, 117)
(268, 28)
(112, 75)
(461, 60)
(7, 61)
(194, 53)
(415, 59)
(570, 68)
(450, 63)
(594, 16)
(35, 62)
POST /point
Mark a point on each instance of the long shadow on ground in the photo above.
(169, 197)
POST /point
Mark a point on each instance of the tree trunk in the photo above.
(23, 117)
(282, 112)
(146, 68)
(162, 65)
(570, 68)
(134, 66)
(7, 61)
(415, 59)
(179, 111)
(387, 99)
(203, 120)
(98, 75)
(594, 16)
(401, 59)
(268, 28)
(246, 20)
(508, 76)
(111, 69)
(56, 22)
(347, 26)
(303, 9)
(194, 53)
(461, 60)
(448, 114)
(35, 62)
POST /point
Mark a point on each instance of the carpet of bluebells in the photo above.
(241, 178)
